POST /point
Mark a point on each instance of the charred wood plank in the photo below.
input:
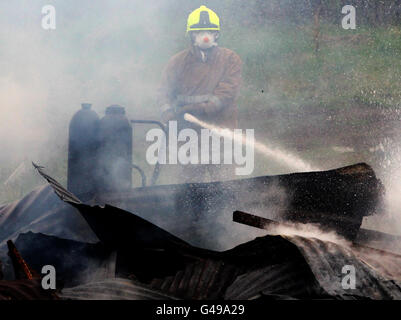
(21, 268)
(252, 220)
(336, 199)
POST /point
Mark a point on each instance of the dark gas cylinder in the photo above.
(82, 148)
(115, 151)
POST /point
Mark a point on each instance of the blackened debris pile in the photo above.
(135, 259)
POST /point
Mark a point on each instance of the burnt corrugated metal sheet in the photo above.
(388, 264)
(269, 267)
(291, 280)
(42, 211)
(218, 275)
(113, 289)
(205, 279)
(315, 272)
(327, 259)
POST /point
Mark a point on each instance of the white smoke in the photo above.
(101, 53)
(307, 231)
(392, 216)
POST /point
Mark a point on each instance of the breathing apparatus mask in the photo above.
(204, 39)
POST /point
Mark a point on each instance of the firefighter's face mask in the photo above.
(205, 39)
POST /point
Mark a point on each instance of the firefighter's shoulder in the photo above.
(230, 54)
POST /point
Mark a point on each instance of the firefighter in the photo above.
(203, 81)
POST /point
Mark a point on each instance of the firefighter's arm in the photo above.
(165, 92)
(225, 92)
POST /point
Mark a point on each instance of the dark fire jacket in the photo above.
(212, 84)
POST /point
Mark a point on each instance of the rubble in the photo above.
(135, 259)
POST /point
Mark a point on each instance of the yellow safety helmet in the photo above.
(203, 19)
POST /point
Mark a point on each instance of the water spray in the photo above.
(290, 160)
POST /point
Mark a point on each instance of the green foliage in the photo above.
(349, 64)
